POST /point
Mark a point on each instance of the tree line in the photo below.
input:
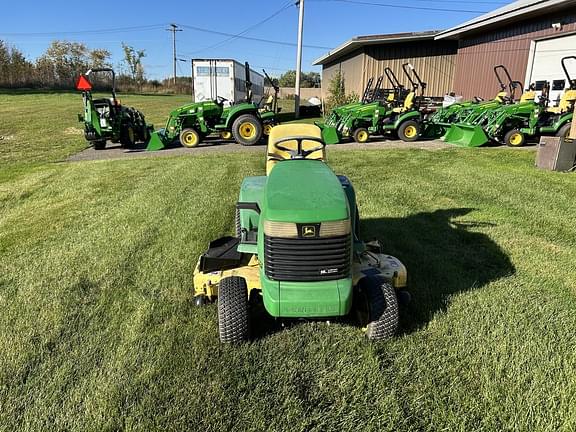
(63, 61)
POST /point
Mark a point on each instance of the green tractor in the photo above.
(246, 122)
(437, 124)
(513, 124)
(297, 249)
(398, 114)
(106, 119)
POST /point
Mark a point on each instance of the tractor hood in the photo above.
(304, 191)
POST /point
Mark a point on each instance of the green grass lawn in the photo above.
(98, 329)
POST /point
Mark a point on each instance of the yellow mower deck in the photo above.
(369, 263)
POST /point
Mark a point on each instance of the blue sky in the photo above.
(328, 23)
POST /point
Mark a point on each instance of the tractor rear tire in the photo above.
(361, 135)
(128, 137)
(514, 138)
(247, 130)
(189, 138)
(409, 131)
(99, 145)
(377, 308)
(564, 131)
(233, 325)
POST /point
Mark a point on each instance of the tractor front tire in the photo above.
(233, 324)
(564, 131)
(189, 138)
(376, 306)
(99, 145)
(247, 130)
(514, 138)
(361, 135)
(409, 131)
(127, 137)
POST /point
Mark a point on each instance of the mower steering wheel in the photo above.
(220, 100)
(299, 153)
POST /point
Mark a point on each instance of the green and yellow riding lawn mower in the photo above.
(106, 119)
(297, 252)
(438, 123)
(399, 115)
(513, 124)
(246, 122)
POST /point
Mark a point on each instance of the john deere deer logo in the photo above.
(309, 231)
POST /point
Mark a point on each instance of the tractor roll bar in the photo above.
(248, 83)
(367, 90)
(571, 82)
(276, 90)
(499, 77)
(111, 71)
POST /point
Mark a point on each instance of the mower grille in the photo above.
(307, 259)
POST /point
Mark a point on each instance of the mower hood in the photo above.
(304, 191)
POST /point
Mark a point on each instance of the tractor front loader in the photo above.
(297, 252)
(106, 119)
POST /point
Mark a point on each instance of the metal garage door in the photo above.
(544, 63)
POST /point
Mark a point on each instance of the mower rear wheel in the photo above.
(189, 138)
(564, 131)
(233, 323)
(409, 131)
(128, 137)
(514, 138)
(99, 145)
(376, 307)
(361, 135)
(247, 130)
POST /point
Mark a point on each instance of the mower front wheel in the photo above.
(233, 323)
(376, 307)
(361, 135)
(247, 130)
(189, 138)
(409, 131)
(514, 138)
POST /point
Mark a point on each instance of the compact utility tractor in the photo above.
(297, 249)
(399, 114)
(106, 119)
(513, 124)
(246, 122)
(437, 124)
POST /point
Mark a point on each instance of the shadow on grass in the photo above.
(443, 257)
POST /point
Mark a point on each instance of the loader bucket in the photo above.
(466, 135)
(156, 141)
(330, 135)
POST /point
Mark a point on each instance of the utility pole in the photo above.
(300, 3)
(174, 28)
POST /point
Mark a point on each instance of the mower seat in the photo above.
(292, 130)
(408, 102)
(528, 96)
(566, 102)
(500, 97)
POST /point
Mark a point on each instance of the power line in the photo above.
(79, 32)
(252, 27)
(387, 5)
(499, 3)
(274, 42)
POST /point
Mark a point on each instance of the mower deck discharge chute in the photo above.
(106, 119)
(297, 252)
(246, 122)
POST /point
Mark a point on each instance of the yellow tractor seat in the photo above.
(501, 96)
(566, 102)
(390, 97)
(274, 155)
(408, 102)
(528, 96)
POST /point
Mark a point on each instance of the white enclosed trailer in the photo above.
(224, 78)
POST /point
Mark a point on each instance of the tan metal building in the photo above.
(364, 57)
(529, 37)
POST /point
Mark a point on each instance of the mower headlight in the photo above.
(290, 230)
